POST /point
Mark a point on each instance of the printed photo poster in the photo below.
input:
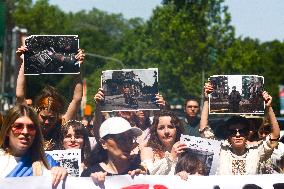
(51, 54)
(236, 94)
(128, 90)
(69, 159)
(207, 150)
(281, 98)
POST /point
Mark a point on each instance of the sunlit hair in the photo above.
(36, 150)
(49, 99)
(79, 129)
(190, 163)
(154, 141)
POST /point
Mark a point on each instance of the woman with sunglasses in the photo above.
(75, 136)
(112, 154)
(236, 157)
(163, 148)
(50, 105)
(22, 152)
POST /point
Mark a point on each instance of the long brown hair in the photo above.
(154, 141)
(36, 150)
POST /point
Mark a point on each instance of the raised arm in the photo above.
(21, 80)
(99, 98)
(208, 88)
(275, 130)
(78, 92)
(204, 130)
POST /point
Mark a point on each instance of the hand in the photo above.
(160, 100)
(58, 174)
(21, 50)
(136, 172)
(208, 88)
(80, 56)
(99, 97)
(177, 149)
(267, 99)
(183, 175)
(99, 178)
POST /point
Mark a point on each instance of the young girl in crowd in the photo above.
(189, 164)
(75, 136)
(163, 148)
(236, 157)
(50, 104)
(22, 152)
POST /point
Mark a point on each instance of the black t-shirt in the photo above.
(134, 164)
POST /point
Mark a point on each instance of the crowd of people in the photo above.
(129, 142)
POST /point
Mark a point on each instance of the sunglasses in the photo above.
(17, 128)
(233, 132)
(49, 118)
(122, 139)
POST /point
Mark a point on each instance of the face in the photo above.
(140, 115)
(47, 121)
(21, 135)
(166, 131)
(119, 146)
(192, 108)
(237, 136)
(72, 140)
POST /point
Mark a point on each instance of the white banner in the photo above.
(150, 182)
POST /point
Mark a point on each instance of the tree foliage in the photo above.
(182, 38)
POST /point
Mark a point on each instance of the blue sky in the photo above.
(262, 19)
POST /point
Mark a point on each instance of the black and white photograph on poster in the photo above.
(51, 54)
(206, 150)
(127, 90)
(236, 94)
(69, 159)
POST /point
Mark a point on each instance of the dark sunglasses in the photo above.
(122, 139)
(233, 132)
(49, 118)
(17, 128)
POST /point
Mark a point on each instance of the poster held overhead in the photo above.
(129, 90)
(51, 54)
(236, 94)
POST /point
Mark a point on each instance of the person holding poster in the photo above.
(236, 157)
(21, 152)
(75, 136)
(163, 148)
(50, 105)
(113, 152)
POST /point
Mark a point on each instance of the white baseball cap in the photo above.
(117, 125)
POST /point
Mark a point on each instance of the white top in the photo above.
(9, 162)
(161, 166)
(246, 164)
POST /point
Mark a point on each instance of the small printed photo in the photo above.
(51, 54)
(128, 90)
(236, 94)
